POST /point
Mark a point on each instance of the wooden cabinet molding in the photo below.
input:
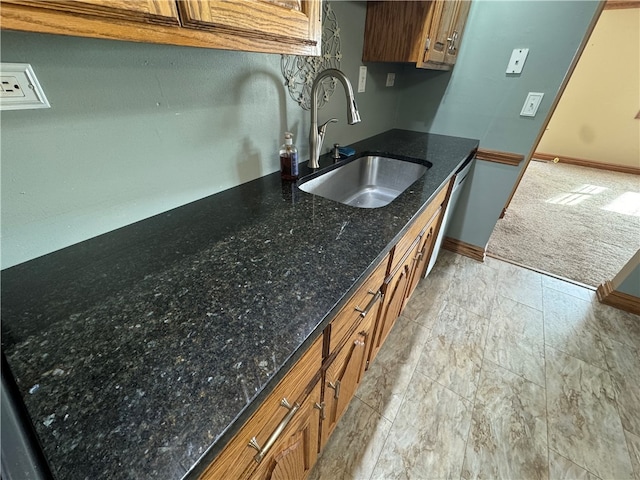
(138, 22)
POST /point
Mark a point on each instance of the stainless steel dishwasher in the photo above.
(458, 182)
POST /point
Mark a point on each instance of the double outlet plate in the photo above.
(19, 88)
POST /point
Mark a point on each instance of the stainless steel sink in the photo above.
(366, 182)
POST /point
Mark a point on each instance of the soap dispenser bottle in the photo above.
(288, 158)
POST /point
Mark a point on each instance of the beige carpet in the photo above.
(578, 223)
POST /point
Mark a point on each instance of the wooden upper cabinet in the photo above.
(445, 35)
(425, 33)
(270, 26)
(287, 21)
(160, 12)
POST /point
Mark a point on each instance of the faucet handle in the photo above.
(323, 128)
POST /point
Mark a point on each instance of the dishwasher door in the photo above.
(458, 182)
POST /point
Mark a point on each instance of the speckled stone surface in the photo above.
(139, 353)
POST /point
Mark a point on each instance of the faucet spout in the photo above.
(316, 134)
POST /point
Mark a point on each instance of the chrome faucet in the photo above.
(316, 133)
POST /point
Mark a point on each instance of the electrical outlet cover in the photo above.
(20, 88)
(516, 62)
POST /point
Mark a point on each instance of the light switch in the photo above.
(391, 79)
(362, 79)
(531, 104)
(516, 62)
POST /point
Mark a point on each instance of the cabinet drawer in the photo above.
(237, 460)
(401, 248)
(363, 301)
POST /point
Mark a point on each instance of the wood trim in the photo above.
(563, 86)
(15, 17)
(619, 4)
(622, 301)
(550, 157)
(506, 158)
(463, 248)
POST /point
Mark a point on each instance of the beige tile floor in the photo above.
(496, 371)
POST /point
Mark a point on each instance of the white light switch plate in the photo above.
(362, 79)
(516, 62)
(20, 88)
(391, 79)
(531, 104)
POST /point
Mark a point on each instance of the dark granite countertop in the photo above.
(139, 353)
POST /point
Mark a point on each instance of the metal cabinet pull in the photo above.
(336, 387)
(452, 42)
(262, 451)
(363, 313)
(320, 406)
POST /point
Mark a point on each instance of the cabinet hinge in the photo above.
(427, 44)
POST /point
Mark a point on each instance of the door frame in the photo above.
(563, 86)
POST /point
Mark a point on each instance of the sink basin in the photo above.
(370, 181)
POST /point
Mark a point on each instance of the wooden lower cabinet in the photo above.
(282, 440)
(409, 259)
(394, 289)
(238, 459)
(424, 252)
(296, 450)
(343, 375)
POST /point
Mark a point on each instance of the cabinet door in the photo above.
(238, 459)
(444, 32)
(424, 252)
(343, 376)
(160, 12)
(295, 452)
(394, 288)
(451, 54)
(441, 22)
(285, 21)
(394, 31)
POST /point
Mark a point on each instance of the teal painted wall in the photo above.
(137, 129)
(631, 284)
(479, 100)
